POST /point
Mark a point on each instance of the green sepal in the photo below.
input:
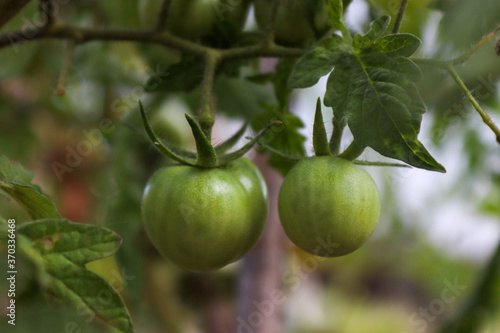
(205, 151)
(229, 143)
(243, 150)
(320, 140)
(158, 144)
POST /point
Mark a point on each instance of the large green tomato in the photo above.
(328, 206)
(298, 21)
(198, 18)
(203, 219)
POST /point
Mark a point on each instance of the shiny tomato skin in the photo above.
(203, 219)
(328, 206)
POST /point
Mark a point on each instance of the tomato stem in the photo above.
(206, 117)
(352, 152)
(336, 138)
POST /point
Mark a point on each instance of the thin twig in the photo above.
(400, 16)
(486, 118)
(163, 16)
(83, 35)
(460, 59)
(206, 117)
(63, 77)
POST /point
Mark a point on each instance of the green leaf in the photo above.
(372, 88)
(318, 62)
(397, 44)
(62, 248)
(374, 91)
(378, 27)
(80, 243)
(16, 182)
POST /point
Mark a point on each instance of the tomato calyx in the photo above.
(206, 155)
(330, 147)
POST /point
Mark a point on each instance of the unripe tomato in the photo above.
(298, 21)
(203, 219)
(328, 206)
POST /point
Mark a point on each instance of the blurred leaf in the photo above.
(284, 138)
(183, 76)
(103, 64)
(120, 15)
(240, 98)
(186, 75)
(65, 248)
(465, 22)
(491, 203)
(19, 56)
(280, 80)
(16, 181)
(482, 303)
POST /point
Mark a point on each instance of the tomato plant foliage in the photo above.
(372, 87)
(59, 249)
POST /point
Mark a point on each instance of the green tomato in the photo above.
(204, 219)
(328, 206)
(200, 18)
(298, 21)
